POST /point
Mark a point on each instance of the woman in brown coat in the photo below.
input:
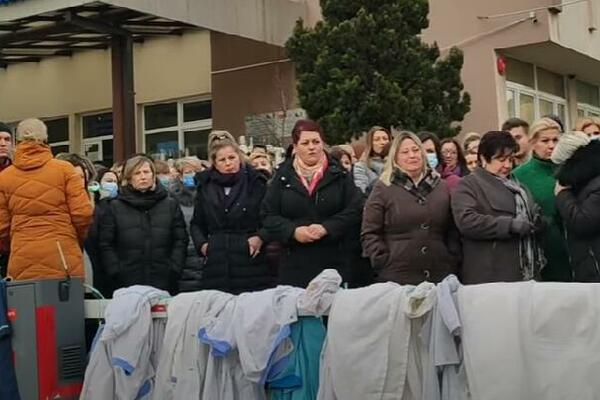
(43, 204)
(497, 218)
(407, 229)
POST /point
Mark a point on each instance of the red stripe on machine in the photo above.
(46, 352)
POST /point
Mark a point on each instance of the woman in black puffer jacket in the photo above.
(142, 233)
(226, 227)
(578, 201)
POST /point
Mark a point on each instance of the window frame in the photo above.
(181, 127)
(518, 88)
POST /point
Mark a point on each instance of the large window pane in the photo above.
(59, 149)
(196, 143)
(97, 125)
(163, 143)
(510, 99)
(160, 116)
(58, 130)
(546, 107)
(519, 72)
(526, 108)
(197, 111)
(588, 94)
(550, 82)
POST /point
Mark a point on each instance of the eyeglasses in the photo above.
(449, 153)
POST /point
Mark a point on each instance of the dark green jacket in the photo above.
(538, 176)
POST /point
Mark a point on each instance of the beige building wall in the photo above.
(165, 68)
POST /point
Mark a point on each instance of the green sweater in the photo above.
(538, 176)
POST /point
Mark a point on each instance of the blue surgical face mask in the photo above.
(432, 159)
(188, 180)
(110, 188)
(165, 181)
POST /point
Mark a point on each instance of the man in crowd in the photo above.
(519, 129)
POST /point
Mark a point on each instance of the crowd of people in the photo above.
(515, 204)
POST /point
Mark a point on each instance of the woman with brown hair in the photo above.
(368, 169)
(407, 229)
(142, 233)
(312, 208)
(589, 125)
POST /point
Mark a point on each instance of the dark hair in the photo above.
(5, 128)
(337, 153)
(556, 119)
(515, 123)
(495, 143)
(462, 162)
(425, 136)
(306, 125)
(84, 163)
(101, 173)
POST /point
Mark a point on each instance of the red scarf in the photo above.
(317, 171)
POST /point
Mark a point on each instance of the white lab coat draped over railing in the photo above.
(521, 341)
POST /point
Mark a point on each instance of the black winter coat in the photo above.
(143, 239)
(336, 204)
(92, 247)
(228, 265)
(580, 211)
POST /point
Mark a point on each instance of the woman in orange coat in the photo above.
(43, 206)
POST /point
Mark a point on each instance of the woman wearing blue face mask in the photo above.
(184, 190)
(109, 189)
(435, 160)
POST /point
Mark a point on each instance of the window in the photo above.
(177, 128)
(98, 137)
(533, 92)
(58, 135)
(588, 100)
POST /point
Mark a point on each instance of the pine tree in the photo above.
(365, 64)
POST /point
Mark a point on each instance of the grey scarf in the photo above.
(530, 253)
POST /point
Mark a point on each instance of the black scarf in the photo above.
(237, 183)
(142, 200)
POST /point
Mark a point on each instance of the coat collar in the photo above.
(497, 195)
(286, 174)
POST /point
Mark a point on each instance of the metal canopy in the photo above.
(62, 33)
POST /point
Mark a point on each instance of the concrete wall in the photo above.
(165, 68)
(249, 88)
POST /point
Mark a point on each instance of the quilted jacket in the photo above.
(43, 203)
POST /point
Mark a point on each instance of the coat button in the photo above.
(424, 250)
(427, 274)
(425, 226)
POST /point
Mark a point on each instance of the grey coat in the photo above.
(483, 210)
(366, 176)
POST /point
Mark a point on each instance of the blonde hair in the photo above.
(132, 165)
(390, 164)
(366, 155)
(219, 144)
(32, 129)
(583, 123)
(541, 125)
(191, 161)
(162, 167)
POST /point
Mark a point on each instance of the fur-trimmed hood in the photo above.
(582, 167)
